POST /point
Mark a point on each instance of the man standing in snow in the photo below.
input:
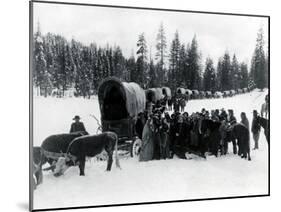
(77, 126)
(232, 121)
(264, 108)
(256, 129)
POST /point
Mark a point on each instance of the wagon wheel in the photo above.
(135, 147)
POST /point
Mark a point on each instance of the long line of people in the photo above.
(164, 135)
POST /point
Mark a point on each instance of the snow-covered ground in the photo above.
(161, 180)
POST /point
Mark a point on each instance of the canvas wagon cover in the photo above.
(188, 92)
(157, 93)
(132, 93)
(168, 92)
(180, 90)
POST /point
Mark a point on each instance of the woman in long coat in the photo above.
(147, 148)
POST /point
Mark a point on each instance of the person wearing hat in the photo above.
(256, 129)
(77, 126)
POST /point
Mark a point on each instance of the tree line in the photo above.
(62, 65)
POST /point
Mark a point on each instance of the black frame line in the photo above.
(31, 104)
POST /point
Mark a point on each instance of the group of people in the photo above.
(164, 135)
(178, 102)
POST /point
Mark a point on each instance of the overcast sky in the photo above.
(118, 26)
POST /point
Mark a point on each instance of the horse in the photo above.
(265, 125)
(242, 134)
(88, 146)
(211, 136)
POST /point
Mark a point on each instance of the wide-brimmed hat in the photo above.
(76, 117)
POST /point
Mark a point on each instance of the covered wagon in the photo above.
(188, 93)
(120, 103)
(226, 94)
(195, 94)
(239, 91)
(202, 94)
(208, 94)
(153, 94)
(232, 92)
(166, 91)
(180, 92)
(218, 94)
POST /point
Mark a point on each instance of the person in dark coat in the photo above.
(172, 134)
(256, 128)
(170, 103)
(140, 124)
(232, 121)
(182, 104)
(164, 136)
(223, 114)
(176, 105)
(244, 120)
(77, 126)
(157, 136)
(223, 132)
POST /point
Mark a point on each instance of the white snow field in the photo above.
(161, 180)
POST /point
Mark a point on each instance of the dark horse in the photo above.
(242, 134)
(88, 146)
(211, 136)
(265, 124)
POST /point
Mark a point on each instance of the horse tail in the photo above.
(117, 162)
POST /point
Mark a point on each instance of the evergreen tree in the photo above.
(142, 71)
(234, 74)
(219, 75)
(209, 78)
(154, 81)
(258, 64)
(174, 61)
(119, 63)
(182, 67)
(131, 66)
(193, 62)
(244, 75)
(225, 72)
(266, 69)
(41, 76)
(161, 53)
